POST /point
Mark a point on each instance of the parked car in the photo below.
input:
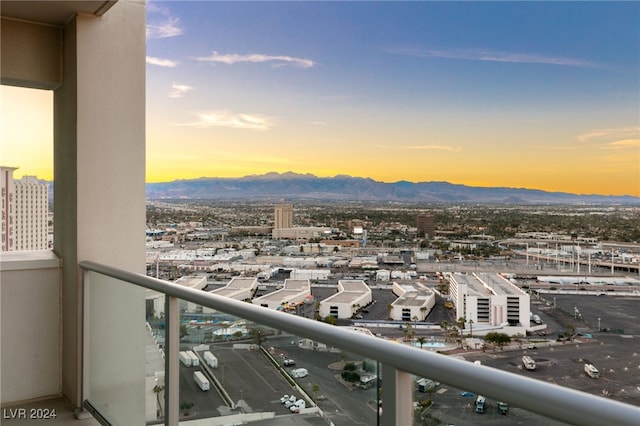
(298, 405)
(289, 403)
(299, 373)
(503, 407)
(289, 362)
(288, 399)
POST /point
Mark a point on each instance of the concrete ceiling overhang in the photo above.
(53, 12)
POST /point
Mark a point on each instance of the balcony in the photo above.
(399, 365)
(116, 398)
(74, 332)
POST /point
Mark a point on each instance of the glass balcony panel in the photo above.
(250, 368)
(438, 403)
(252, 372)
(154, 357)
(119, 372)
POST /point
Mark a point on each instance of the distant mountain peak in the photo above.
(296, 186)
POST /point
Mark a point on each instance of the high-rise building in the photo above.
(283, 216)
(426, 226)
(25, 210)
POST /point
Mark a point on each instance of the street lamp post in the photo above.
(599, 325)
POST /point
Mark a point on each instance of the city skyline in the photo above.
(533, 95)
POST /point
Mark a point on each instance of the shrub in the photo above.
(350, 376)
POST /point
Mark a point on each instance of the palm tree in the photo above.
(421, 340)
(460, 322)
(315, 388)
(406, 330)
(344, 356)
(445, 327)
(158, 390)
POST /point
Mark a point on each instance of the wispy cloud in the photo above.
(610, 134)
(278, 60)
(612, 139)
(422, 148)
(224, 118)
(170, 27)
(625, 143)
(493, 56)
(179, 90)
(161, 62)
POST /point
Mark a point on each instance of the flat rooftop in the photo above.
(414, 294)
(474, 286)
(499, 284)
(192, 281)
(352, 290)
(292, 288)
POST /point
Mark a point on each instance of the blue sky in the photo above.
(542, 95)
(494, 94)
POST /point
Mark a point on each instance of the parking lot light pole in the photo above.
(599, 325)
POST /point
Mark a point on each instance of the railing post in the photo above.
(397, 397)
(171, 363)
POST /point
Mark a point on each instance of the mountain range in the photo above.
(294, 186)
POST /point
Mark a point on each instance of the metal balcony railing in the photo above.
(399, 362)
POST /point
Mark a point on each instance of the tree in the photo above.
(344, 356)
(183, 331)
(185, 407)
(499, 339)
(422, 341)
(445, 328)
(406, 330)
(330, 319)
(258, 334)
(315, 388)
(158, 390)
(571, 332)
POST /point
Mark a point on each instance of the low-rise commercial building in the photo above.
(414, 302)
(292, 293)
(489, 302)
(352, 295)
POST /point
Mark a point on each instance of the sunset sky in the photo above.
(541, 95)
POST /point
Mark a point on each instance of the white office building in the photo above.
(25, 210)
(489, 302)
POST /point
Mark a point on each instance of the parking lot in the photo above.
(608, 336)
(615, 352)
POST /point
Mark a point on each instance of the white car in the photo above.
(299, 373)
(300, 404)
(291, 399)
(289, 403)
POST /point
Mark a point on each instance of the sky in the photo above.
(539, 95)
